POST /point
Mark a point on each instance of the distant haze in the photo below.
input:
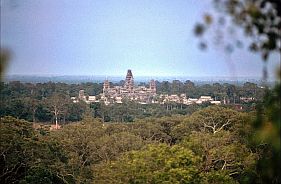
(90, 37)
(115, 79)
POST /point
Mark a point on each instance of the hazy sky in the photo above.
(107, 37)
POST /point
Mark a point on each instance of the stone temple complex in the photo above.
(140, 94)
(129, 91)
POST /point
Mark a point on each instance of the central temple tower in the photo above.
(129, 81)
(106, 86)
(152, 86)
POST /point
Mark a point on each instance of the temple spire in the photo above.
(106, 86)
(129, 81)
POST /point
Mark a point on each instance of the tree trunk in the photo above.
(33, 116)
(56, 121)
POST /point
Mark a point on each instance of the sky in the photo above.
(107, 37)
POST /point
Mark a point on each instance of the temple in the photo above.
(129, 82)
(129, 91)
(140, 94)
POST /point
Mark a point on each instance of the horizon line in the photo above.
(105, 75)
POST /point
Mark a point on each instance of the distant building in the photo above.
(216, 102)
(247, 99)
(129, 81)
(191, 101)
(140, 94)
(106, 86)
(174, 98)
(118, 99)
(92, 99)
(81, 95)
(206, 98)
(152, 86)
(74, 99)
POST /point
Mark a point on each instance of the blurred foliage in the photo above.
(260, 21)
(4, 58)
(267, 136)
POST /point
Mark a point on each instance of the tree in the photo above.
(267, 136)
(32, 105)
(79, 141)
(222, 151)
(149, 131)
(28, 157)
(155, 164)
(56, 104)
(110, 147)
(165, 87)
(176, 87)
(185, 128)
(215, 118)
(4, 58)
(218, 91)
(156, 130)
(76, 111)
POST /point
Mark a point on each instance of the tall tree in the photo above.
(215, 119)
(57, 105)
(28, 157)
(32, 105)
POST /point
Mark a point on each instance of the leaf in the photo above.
(202, 46)
(253, 47)
(239, 44)
(265, 56)
(229, 48)
(221, 21)
(208, 19)
(199, 29)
